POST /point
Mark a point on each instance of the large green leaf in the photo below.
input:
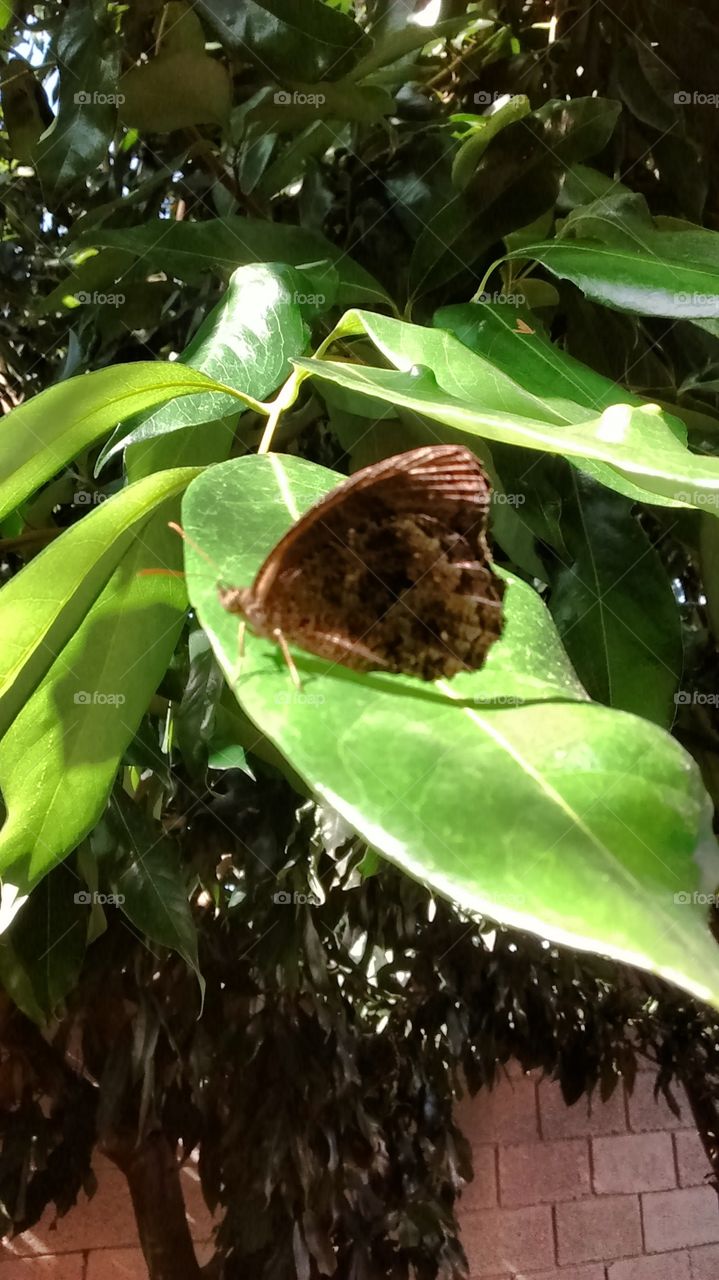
(42, 606)
(40, 436)
(246, 341)
(505, 789)
(306, 41)
(491, 330)
(187, 249)
(662, 273)
(448, 383)
(60, 756)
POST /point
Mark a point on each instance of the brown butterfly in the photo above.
(390, 572)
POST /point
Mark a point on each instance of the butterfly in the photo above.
(389, 572)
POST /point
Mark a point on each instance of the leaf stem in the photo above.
(285, 398)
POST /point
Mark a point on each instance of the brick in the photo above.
(692, 1159)
(646, 1114)
(507, 1113)
(508, 1240)
(543, 1172)
(104, 1220)
(481, 1192)
(116, 1264)
(633, 1162)
(705, 1263)
(599, 1230)
(679, 1219)
(584, 1273)
(557, 1120)
(68, 1267)
(668, 1266)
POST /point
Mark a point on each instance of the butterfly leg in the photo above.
(241, 629)
(294, 673)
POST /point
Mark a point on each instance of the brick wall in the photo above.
(612, 1192)
(559, 1193)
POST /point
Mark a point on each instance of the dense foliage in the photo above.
(247, 249)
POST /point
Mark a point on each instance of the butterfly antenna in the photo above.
(177, 528)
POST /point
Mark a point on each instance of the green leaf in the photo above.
(24, 107)
(614, 606)
(47, 940)
(88, 59)
(515, 180)
(43, 605)
(394, 45)
(504, 789)
(247, 340)
(148, 877)
(152, 104)
(187, 249)
(59, 758)
(40, 436)
(480, 136)
(538, 365)
(579, 128)
(304, 41)
(642, 444)
(662, 273)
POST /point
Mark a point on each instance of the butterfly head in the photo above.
(242, 600)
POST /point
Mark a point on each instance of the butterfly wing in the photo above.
(391, 570)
